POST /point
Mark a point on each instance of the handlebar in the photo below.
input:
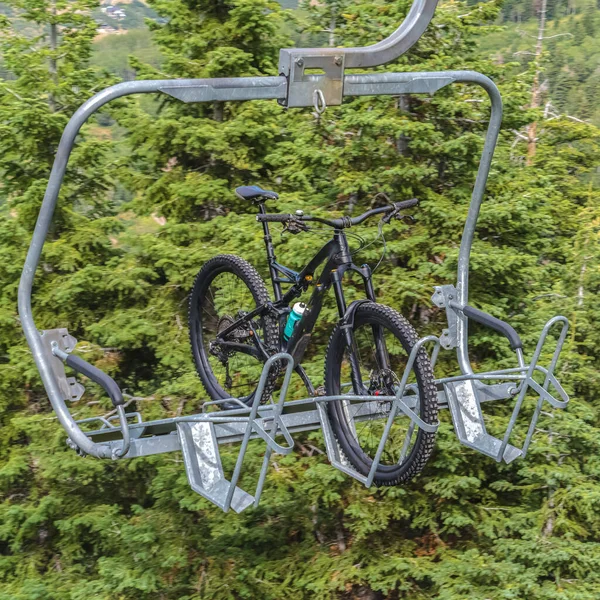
(280, 218)
(341, 223)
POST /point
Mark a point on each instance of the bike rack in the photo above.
(199, 436)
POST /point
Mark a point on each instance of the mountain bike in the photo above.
(235, 326)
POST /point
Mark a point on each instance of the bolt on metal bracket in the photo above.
(302, 86)
(294, 62)
(443, 295)
(60, 338)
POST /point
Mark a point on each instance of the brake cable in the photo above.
(384, 250)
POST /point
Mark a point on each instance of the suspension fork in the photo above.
(380, 348)
(347, 326)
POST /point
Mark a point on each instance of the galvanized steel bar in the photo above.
(234, 89)
(395, 45)
(267, 87)
(530, 382)
(398, 404)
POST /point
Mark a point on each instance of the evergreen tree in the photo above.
(468, 528)
(49, 78)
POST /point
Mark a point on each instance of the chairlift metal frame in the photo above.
(199, 436)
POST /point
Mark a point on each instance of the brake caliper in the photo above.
(382, 384)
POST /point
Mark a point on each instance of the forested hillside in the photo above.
(148, 198)
(571, 51)
(570, 62)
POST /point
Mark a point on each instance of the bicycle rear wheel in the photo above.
(358, 426)
(225, 289)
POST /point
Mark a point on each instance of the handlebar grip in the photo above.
(109, 385)
(269, 218)
(406, 204)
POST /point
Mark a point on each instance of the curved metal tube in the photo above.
(389, 83)
(412, 28)
(120, 453)
(232, 89)
(270, 87)
(464, 255)
(398, 43)
(529, 382)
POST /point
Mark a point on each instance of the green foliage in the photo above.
(113, 52)
(117, 275)
(571, 52)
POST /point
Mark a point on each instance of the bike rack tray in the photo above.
(198, 436)
(464, 395)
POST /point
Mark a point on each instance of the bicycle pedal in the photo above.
(320, 391)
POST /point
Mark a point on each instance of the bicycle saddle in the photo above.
(253, 192)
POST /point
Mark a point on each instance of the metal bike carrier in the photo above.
(199, 436)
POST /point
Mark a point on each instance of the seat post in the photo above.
(271, 258)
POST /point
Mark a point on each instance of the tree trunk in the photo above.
(352, 202)
(580, 291)
(403, 105)
(332, 29)
(218, 112)
(53, 67)
(535, 92)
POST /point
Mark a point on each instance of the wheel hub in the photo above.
(382, 382)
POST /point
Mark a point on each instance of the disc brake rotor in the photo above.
(382, 384)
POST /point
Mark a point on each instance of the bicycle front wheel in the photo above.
(383, 340)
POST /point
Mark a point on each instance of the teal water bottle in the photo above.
(296, 314)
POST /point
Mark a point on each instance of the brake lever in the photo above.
(391, 215)
(396, 214)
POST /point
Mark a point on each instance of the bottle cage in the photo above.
(199, 436)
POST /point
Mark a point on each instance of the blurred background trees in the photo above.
(149, 197)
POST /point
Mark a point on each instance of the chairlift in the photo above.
(198, 437)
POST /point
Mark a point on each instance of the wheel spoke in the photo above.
(230, 289)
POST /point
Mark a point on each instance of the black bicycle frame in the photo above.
(336, 257)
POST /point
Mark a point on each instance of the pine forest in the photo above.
(148, 198)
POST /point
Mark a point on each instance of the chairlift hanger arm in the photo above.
(302, 90)
(237, 89)
(392, 47)
(292, 88)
